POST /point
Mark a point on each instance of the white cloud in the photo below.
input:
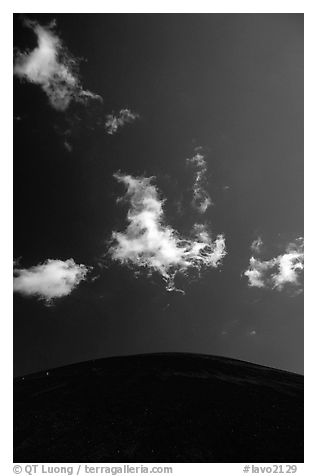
(147, 242)
(257, 272)
(50, 280)
(276, 273)
(201, 198)
(114, 122)
(52, 67)
(256, 245)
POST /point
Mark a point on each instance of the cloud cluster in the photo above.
(50, 280)
(114, 122)
(201, 198)
(52, 67)
(147, 242)
(276, 273)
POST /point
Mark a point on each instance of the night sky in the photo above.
(226, 86)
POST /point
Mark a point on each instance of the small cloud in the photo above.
(114, 122)
(49, 280)
(147, 242)
(276, 273)
(256, 245)
(68, 146)
(252, 333)
(201, 198)
(52, 67)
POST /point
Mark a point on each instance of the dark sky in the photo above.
(232, 84)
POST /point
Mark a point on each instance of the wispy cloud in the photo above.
(115, 121)
(147, 242)
(201, 198)
(52, 67)
(257, 245)
(49, 280)
(277, 273)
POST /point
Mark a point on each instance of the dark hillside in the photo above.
(159, 408)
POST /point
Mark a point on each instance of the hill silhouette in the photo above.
(159, 408)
